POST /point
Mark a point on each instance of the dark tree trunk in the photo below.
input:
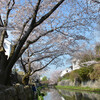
(3, 65)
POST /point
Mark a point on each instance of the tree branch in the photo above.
(41, 58)
(35, 12)
(43, 66)
(6, 21)
(24, 25)
(23, 65)
(96, 1)
(9, 9)
(24, 38)
(50, 12)
(31, 42)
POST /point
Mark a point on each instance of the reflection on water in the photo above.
(53, 94)
(72, 95)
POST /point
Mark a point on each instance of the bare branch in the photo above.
(30, 3)
(6, 21)
(35, 12)
(41, 58)
(43, 66)
(23, 65)
(9, 10)
(24, 25)
(31, 42)
(96, 1)
(50, 12)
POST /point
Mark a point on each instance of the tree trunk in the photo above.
(3, 65)
(25, 79)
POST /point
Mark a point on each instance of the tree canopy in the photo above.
(51, 28)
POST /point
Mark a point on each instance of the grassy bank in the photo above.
(78, 88)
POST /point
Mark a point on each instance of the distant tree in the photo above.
(95, 74)
(97, 49)
(55, 76)
(44, 78)
(85, 55)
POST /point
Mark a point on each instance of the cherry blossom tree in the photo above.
(55, 76)
(30, 65)
(51, 28)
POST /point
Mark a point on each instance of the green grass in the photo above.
(78, 88)
(40, 98)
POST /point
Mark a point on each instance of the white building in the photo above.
(7, 46)
(75, 64)
(67, 70)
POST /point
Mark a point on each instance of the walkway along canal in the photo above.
(53, 94)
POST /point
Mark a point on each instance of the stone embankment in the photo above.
(17, 92)
(91, 84)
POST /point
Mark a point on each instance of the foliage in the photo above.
(63, 79)
(82, 73)
(97, 58)
(87, 56)
(73, 75)
(97, 49)
(96, 72)
(40, 94)
(91, 72)
(78, 88)
(44, 78)
(51, 32)
(66, 76)
(40, 98)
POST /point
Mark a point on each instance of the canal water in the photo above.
(53, 94)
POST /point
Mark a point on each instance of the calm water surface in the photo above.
(53, 94)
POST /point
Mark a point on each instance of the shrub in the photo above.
(84, 72)
(97, 58)
(91, 72)
(66, 76)
(95, 75)
(73, 75)
(97, 49)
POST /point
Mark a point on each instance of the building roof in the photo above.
(1, 26)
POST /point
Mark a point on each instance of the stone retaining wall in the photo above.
(17, 92)
(91, 84)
